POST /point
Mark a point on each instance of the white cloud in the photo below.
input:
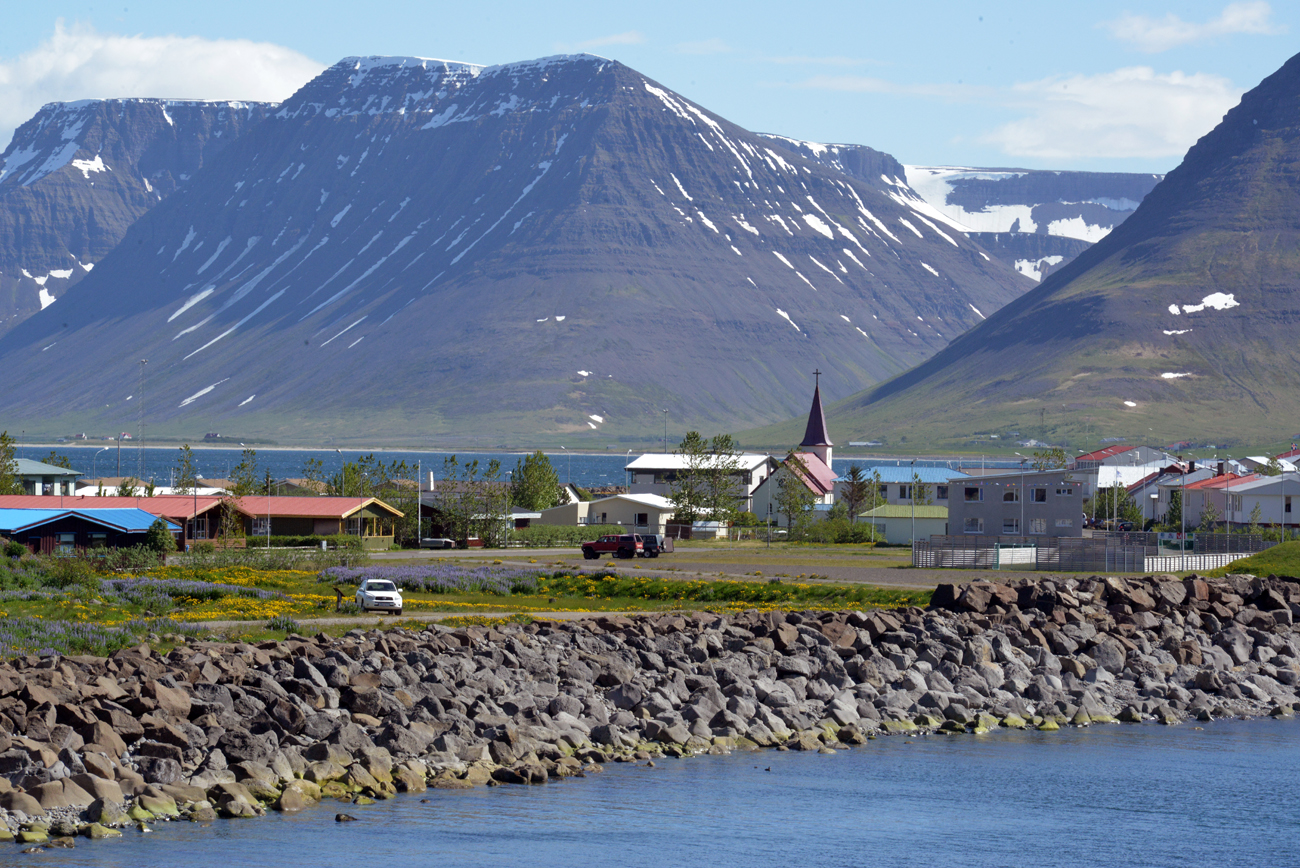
(631, 37)
(78, 62)
(1132, 112)
(704, 46)
(1161, 34)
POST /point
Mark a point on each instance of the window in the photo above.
(261, 526)
(199, 527)
(1038, 526)
(973, 495)
(1065, 492)
(65, 543)
(974, 525)
(884, 491)
(353, 526)
(1039, 495)
(642, 519)
(1011, 526)
(941, 492)
(904, 492)
(1065, 522)
(97, 540)
(1287, 508)
(1011, 495)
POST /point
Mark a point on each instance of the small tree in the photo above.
(313, 470)
(186, 472)
(1210, 516)
(793, 496)
(856, 491)
(1174, 514)
(720, 495)
(128, 487)
(1255, 515)
(1051, 459)
(921, 491)
(10, 481)
(687, 490)
(159, 537)
(535, 485)
(1272, 468)
(56, 460)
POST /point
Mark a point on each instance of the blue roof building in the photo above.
(66, 531)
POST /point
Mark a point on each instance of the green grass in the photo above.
(1281, 560)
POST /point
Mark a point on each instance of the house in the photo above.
(639, 513)
(67, 531)
(655, 473)
(1273, 494)
(1122, 456)
(1029, 503)
(199, 517)
(810, 463)
(1168, 485)
(367, 517)
(898, 524)
(111, 484)
(896, 482)
(41, 479)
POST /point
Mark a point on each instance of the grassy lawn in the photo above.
(1281, 560)
(51, 606)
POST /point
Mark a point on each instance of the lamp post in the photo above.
(1182, 517)
(568, 476)
(94, 462)
(1021, 526)
(912, 491)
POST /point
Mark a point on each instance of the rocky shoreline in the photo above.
(90, 745)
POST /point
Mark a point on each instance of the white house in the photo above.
(639, 513)
(812, 466)
(655, 473)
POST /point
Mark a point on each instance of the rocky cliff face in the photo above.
(412, 247)
(77, 175)
(1179, 324)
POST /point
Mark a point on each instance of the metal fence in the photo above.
(1099, 553)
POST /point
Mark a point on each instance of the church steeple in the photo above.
(815, 439)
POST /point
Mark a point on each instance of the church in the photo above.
(809, 463)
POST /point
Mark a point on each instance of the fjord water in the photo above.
(1221, 795)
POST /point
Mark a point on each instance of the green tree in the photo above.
(1210, 516)
(1173, 519)
(1051, 459)
(688, 486)
(534, 485)
(128, 486)
(186, 471)
(857, 488)
(473, 501)
(721, 495)
(313, 470)
(10, 481)
(922, 492)
(56, 460)
(1272, 468)
(244, 478)
(159, 537)
(793, 497)
(1255, 515)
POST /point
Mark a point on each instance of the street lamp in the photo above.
(94, 462)
(568, 477)
(912, 491)
(1021, 527)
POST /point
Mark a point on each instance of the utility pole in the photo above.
(139, 469)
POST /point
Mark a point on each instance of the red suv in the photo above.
(623, 545)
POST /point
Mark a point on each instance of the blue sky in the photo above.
(1119, 86)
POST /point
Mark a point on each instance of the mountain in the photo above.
(77, 175)
(410, 249)
(1035, 220)
(1180, 324)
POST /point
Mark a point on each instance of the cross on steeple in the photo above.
(818, 375)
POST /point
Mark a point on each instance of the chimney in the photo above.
(432, 486)
(1221, 469)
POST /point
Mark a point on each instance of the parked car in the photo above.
(379, 595)
(621, 545)
(656, 544)
(437, 542)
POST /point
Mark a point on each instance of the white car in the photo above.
(379, 595)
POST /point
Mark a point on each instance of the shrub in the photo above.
(338, 541)
(14, 549)
(565, 535)
(159, 537)
(283, 622)
(69, 572)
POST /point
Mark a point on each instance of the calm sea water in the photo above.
(1106, 796)
(582, 469)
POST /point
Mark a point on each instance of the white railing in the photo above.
(1188, 563)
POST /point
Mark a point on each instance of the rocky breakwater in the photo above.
(207, 730)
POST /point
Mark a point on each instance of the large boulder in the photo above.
(62, 794)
